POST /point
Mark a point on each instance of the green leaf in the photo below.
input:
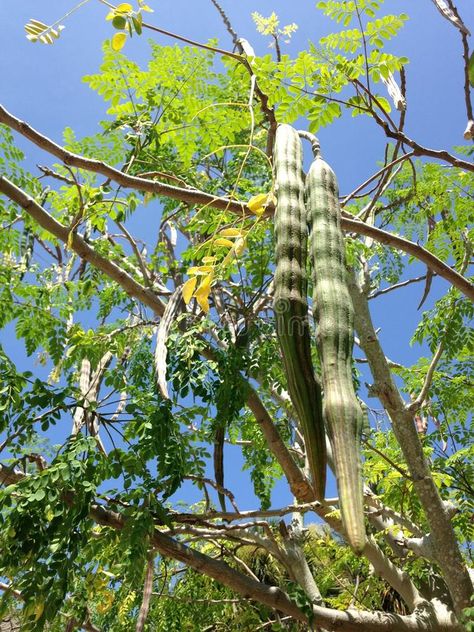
(119, 22)
(471, 69)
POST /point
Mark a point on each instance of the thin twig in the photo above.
(396, 467)
(145, 272)
(418, 402)
(380, 172)
(469, 132)
(397, 286)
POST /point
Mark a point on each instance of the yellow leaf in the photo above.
(203, 291)
(260, 211)
(39, 607)
(118, 41)
(257, 203)
(188, 289)
(239, 246)
(199, 270)
(203, 303)
(223, 242)
(208, 260)
(230, 232)
(124, 7)
(205, 285)
(145, 7)
(106, 602)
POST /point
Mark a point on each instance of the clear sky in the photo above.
(42, 84)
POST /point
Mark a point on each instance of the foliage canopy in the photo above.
(135, 391)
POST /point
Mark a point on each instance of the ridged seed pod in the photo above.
(290, 304)
(333, 313)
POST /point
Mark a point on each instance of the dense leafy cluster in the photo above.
(96, 460)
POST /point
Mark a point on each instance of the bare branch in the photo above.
(373, 177)
(418, 402)
(469, 131)
(420, 150)
(299, 484)
(227, 23)
(396, 286)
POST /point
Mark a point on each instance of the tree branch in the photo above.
(77, 243)
(425, 617)
(449, 11)
(299, 484)
(373, 177)
(194, 196)
(448, 554)
(411, 248)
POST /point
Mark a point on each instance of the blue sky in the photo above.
(42, 84)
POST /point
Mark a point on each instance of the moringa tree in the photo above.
(137, 270)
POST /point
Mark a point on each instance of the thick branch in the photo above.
(346, 621)
(194, 196)
(299, 484)
(411, 248)
(447, 551)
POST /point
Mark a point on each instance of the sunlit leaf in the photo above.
(230, 232)
(257, 203)
(119, 22)
(124, 7)
(200, 270)
(188, 289)
(220, 241)
(205, 285)
(118, 41)
(203, 303)
(203, 291)
(137, 23)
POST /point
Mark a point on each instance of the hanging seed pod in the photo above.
(334, 315)
(290, 303)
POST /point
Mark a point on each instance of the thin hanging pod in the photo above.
(334, 315)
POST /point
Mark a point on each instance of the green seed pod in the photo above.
(290, 303)
(334, 314)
